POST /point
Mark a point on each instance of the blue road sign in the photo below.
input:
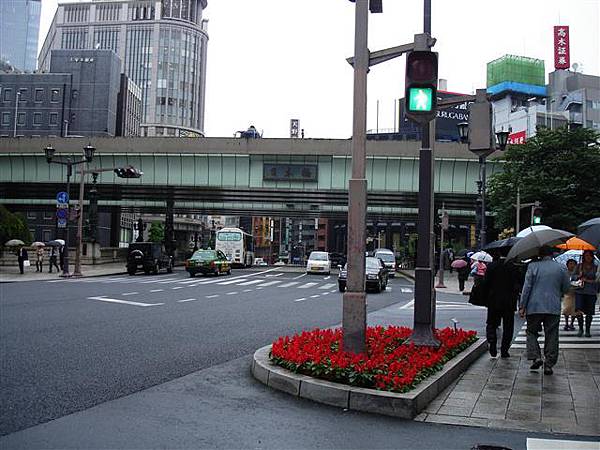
(61, 213)
(62, 223)
(62, 197)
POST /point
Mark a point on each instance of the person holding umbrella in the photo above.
(585, 297)
(22, 256)
(463, 269)
(39, 262)
(53, 259)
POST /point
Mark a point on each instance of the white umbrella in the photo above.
(482, 256)
(531, 229)
(14, 243)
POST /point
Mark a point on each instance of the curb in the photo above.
(406, 406)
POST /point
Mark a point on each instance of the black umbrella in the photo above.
(502, 243)
(462, 253)
(589, 231)
(529, 246)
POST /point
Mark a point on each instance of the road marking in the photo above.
(406, 290)
(315, 296)
(327, 286)
(247, 290)
(259, 288)
(250, 282)
(156, 290)
(190, 281)
(212, 296)
(130, 293)
(408, 305)
(124, 302)
(187, 300)
(177, 287)
(300, 276)
(327, 277)
(331, 292)
(559, 444)
(231, 293)
(228, 282)
(176, 280)
(275, 275)
(300, 299)
(288, 284)
(270, 283)
(307, 285)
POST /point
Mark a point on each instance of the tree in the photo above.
(13, 226)
(156, 232)
(560, 169)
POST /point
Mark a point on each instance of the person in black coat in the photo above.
(502, 287)
(463, 275)
(22, 256)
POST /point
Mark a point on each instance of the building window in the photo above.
(53, 118)
(23, 94)
(55, 95)
(37, 118)
(46, 235)
(48, 215)
(6, 95)
(21, 119)
(31, 215)
(5, 118)
(39, 95)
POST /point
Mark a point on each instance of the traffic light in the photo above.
(128, 172)
(421, 85)
(536, 215)
(375, 6)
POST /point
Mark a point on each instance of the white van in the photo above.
(318, 262)
(388, 258)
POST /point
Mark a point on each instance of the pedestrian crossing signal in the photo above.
(421, 85)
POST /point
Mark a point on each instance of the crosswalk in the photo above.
(566, 339)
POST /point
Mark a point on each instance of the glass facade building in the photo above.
(162, 44)
(19, 29)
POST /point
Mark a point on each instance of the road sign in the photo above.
(61, 213)
(62, 197)
(62, 206)
(62, 223)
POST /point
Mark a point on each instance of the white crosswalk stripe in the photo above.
(246, 283)
(270, 283)
(307, 285)
(566, 339)
(225, 283)
(327, 286)
(290, 284)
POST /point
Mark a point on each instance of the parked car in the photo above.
(337, 259)
(208, 262)
(375, 272)
(318, 262)
(260, 262)
(149, 257)
(388, 258)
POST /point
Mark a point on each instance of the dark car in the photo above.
(149, 257)
(208, 262)
(375, 272)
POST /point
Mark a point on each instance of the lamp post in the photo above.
(88, 155)
(17, 100)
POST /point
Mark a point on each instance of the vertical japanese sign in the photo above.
(294, 127)
(561, 47)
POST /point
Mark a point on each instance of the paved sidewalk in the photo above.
(504, 393)
(10, 274)
(450, 281)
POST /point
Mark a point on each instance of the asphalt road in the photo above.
(68, 345)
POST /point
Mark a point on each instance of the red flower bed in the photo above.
(390, 363)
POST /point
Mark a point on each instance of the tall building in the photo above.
(577, 95)
(162, 45)
(19, 29)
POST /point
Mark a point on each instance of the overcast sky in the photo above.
(273, 60)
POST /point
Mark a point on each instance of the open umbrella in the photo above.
(37, 244)
(576, 243)
(573, 254)
(589, 231)
(462, 253)
(14, 243)
(458, 263)
(529, 246)
(482, 256)
(531, 229)
(502, 243)
(56, 243)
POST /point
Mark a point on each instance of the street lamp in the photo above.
(463, 131)
(88, 155)
(502, 139)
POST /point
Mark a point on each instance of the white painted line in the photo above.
(307, 285)
(124, 302)
(332, 292)
(176, 280)
(177, 287)
(327, 277)
(223, 283)
(300, 276)
(212, 296)
(232, 293)
(247, 290)
(259, 288)
(193, 280)
(288, 284)
(250, 282)
(187, 300)
(156, 290)
(270, 283)
(300, 299)
(275, 274)
(559, 444)
(408, 305)
(406, 290)
(315, 296)
(327, 286)
(130, 293)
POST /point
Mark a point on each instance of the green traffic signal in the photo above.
(537, 220)
(420, 99)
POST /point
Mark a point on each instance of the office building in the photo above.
(162, 45)
(577, 95)
(19, 29)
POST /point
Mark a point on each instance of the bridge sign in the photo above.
(62, 197)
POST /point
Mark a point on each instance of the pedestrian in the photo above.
(54, 259)
(463, 275)
(478, 269)
(21, 258)
(545, 283)
(585, 296)
(501, 288)
(39, 262)
(61, 257)
(568, 307)
(450, 258)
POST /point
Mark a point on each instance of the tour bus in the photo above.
(237, 245)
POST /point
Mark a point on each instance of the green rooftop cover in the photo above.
(516, 68)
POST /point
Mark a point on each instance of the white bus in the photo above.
(237, 245)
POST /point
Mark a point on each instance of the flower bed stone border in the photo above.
(406, 405)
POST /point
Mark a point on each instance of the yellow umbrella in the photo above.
(576, 243)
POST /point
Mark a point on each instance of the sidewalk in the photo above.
(10, 274)
(450, 281)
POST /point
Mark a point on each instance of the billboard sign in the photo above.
(561, 47)
(517, 138)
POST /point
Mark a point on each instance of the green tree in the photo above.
(13, 226)
(560, 169)
(156, 233)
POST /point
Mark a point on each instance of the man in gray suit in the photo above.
(545, 283)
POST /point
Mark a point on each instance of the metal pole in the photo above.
(77, 271)
(354, 312)
(17, 97)
(440, 283)
(424, 315)
(518, 227)
(66, 273)
(482, 232)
